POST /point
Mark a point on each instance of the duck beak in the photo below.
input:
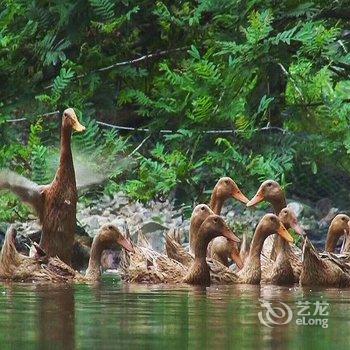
(237, 194)
(259, 197)
(236, 257)
(78, 127)
(298, 229)
(282, 231)
(230, 235)
(126, 244)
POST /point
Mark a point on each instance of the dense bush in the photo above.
(215, 65)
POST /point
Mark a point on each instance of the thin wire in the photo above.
(36, 116)
(163, 131)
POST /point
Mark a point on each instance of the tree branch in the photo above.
(129, 62)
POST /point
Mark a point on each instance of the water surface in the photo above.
(112, 315)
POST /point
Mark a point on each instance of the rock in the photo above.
(296, 207)
(152, 226)
(156, 239)
(92, 222)
(120, 200)
(326, 220)
(309, 224)
(120, 223)
(95, 211)
(323, 206)
(106, 213)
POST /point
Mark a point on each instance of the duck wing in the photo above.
(27, 190)
(175, 250)
(220, 274)
(146, 265)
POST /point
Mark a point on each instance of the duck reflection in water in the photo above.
(56, 316)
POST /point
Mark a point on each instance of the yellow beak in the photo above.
(78, 127)
(282, 231)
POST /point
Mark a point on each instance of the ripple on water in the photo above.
(112, 315)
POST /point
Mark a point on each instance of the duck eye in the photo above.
(226, 182)
(269, 184)
(202, 208)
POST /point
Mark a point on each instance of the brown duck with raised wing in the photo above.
(42, 268)
(56, 203)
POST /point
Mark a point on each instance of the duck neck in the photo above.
(216, 203)
(278, 204)
(256, 246)
(331, 241)
(279, 244)
(199, 270)
(201, 246)
(193, 236)
(93, 271)
(66, 167)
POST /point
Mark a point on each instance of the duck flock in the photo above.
(216, 254)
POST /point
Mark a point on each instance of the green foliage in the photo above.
(241, 66)
(103, 8)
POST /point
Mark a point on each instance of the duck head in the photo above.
(215, 226)
(338, 227)
(70, 119)
(199, 214)
(109, 236)
(226, 188)
(290, 220)
(269, 191)
(270, 224)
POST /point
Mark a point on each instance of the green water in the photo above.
(116, 316)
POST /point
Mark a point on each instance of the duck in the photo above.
(324, 271)
(224, 189)
(339, 227)
(284, 270)
(159, 268)
(327, 269)
(55, 204)
(346, 243)
(40, 267)
(288, 265)
(251, 271)
(173, 246)
(220, 249)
